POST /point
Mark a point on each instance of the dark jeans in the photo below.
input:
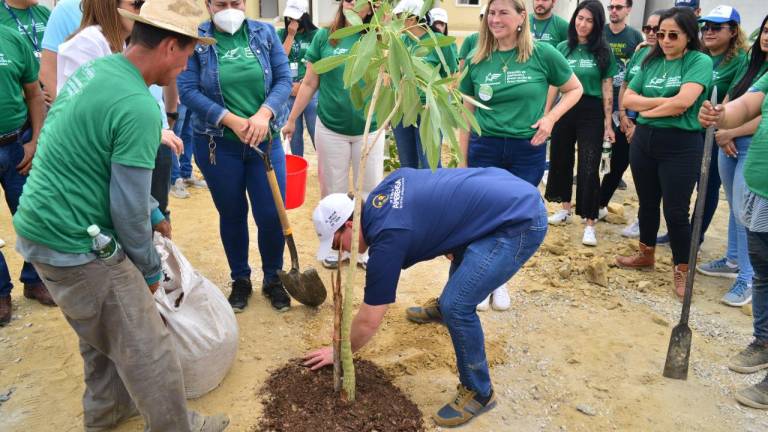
(666, 164)
(181, 166)
(758, 255)
(619, 164)
(238, 176)
(517, 156)
(310, 117)
(583, 123)
(409, 149)
(161, 178)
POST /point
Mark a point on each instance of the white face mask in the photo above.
(229, 20)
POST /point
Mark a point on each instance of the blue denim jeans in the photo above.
(409, 149)
(732, 176)
(475, 272)
(758, 253)
(181, 166)
(517, 156)
(13, 183)
(310, 116)
(237, 177)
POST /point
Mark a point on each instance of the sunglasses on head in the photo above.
(650, 29)
(615, 7)
(673, 36)
(713, 27)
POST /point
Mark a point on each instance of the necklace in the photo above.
(504, 68)
(664, 76)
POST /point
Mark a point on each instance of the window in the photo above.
(467, 2)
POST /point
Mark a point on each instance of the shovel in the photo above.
(306, 287)
(679, 352)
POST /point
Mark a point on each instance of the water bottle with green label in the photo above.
(104, 246)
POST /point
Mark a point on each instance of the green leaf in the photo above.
(474, 102)
(411, 103)
(426, 7)
(393, 68)
(421, 51)
(437, 40)
(353, 19)
(365, 53)
(402, 57)
(329, 63)
(471, 118)
(356, 95)
(348, 31)
(384, 105)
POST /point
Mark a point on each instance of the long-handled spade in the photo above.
(306, 287)
(679, 352)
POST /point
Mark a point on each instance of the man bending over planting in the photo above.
(486, 221)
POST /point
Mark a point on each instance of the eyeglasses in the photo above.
(650, 29)
(349, 1)
(615, 7)
(673, 36)
(137, 4)
(713, 27)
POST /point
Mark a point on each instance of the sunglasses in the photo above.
(615, 7)
(349, 1)
(673, 36)
(650, 29)
(713, 27)
(137, 4)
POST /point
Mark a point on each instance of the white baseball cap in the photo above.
(295, 9)
(412, 7)
(331, 213)
(439, 14)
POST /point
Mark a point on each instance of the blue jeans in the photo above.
(517, 156)
(732, 175)
(181, 166)
(758, 253)
(13, 183)
(238, 176)
(310, 116)
(409, 149)
(475, 272)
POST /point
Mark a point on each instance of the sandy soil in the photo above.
(566, 342)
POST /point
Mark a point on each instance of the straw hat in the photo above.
(178, 16)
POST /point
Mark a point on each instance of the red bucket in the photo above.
(295, 181)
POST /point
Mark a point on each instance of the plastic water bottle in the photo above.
(605, 159)
(104, 246)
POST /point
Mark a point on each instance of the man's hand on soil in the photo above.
(319, 358)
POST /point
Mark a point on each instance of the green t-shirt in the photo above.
(241, 77)
(623, 45)
(17, 67)
(663, 78)
(334, 106)
(32, 34)
(584, 65)
(296, 61)
(635, 63)
(552, 30)
(468, 46)
(757, 157)
(743, 71)
(517, 97)
(725, 72)
(104, 114)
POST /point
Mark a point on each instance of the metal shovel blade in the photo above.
(679, 353)
(306, 287)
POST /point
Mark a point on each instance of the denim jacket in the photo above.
(199, 86)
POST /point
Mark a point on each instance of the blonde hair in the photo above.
(104, 13)
(486, 43)
(736, 44)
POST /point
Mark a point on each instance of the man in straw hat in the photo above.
(94, 166)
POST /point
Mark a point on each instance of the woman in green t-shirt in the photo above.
(510, 74)
(588, 122)
(666, 150)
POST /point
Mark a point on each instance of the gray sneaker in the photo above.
(214, 423)
(196, 182)
(755, 396)
(752, 359)
(719, 268)
(179, 190)
(739, 295)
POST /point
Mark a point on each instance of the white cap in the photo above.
(331, 213)
(295, 9)
(93, 230)
(412, 7)
(439, 14)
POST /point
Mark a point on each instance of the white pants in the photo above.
(335, 153)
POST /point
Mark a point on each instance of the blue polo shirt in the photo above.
(416, 215)
(64, 20)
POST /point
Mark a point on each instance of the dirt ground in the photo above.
(570, 354)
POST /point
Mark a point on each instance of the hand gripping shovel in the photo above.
(679, 352)
(306, 287)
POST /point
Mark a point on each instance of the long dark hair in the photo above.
(756, 62)
(596, 42)
(687, 21)
(305, 23)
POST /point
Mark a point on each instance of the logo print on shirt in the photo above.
(4, 61)
(380, 200)
(398, 193)
(491, 77)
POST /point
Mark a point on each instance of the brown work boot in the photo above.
(643, 259)
(680, 275)
(38, 291)
(5, 310)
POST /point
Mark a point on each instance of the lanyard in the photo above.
(33, 35)
(539, 35)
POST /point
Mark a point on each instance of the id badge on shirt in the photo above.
(294, 69)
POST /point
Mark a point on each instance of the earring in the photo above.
(519, 29)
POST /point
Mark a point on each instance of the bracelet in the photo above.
(172, 115)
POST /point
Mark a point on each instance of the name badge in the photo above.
(485, 93)
(294, 69)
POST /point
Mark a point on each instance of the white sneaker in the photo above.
(331, 261)
(485, 304)
(561, 216)
(362, 260)
(179, 190)
(602, 213)
(196, 183)
(589, 238)
(501, 300)
(632, 230)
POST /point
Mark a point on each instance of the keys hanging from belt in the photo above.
(211, 150)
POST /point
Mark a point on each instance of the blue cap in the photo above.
(693, 4)
(722, 14)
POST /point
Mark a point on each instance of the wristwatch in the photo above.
(172, 115)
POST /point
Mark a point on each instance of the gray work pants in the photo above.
(130, 360)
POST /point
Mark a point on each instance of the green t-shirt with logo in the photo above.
(37, 15)
(552, 30)
(623, 45)
(725, 72)
(468, 46)
(334, 106)
(17, 67)
(104, 114)
(635, 63)
(517, 97)
(743, 71)
(663, 78)
(584, 65)
(296, 60)
(241, 77)
(757, 157)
